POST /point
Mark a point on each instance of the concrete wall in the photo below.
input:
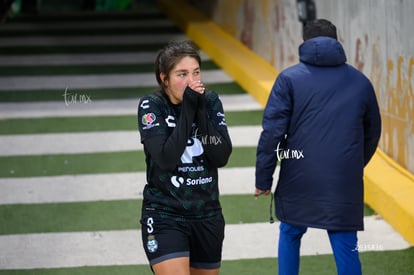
(377, 38)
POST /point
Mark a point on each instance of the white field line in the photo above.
(102, 248)
(68, 143)
(241, 102)
(94, 142)
(103, 187)
(85, 40)
(82, 59)
(96, 81)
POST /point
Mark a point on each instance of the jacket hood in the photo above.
(322, 51)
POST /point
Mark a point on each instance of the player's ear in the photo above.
(164, 78)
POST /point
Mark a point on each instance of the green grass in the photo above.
(94, 163)
(57, 95)
(87, 270)
(115, 215)
(53, 165)
(101, 123)
(110, 215)
(41, 70)
(373, 263)
(66, 217)
(67, 124)
(98, 94)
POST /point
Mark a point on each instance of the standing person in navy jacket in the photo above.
(322, 121)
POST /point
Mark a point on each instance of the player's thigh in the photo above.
(164, 238)
(196, 271)
(173, 267)
(206, 244)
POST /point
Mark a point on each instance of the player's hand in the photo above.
(259, 192)
(197, 86)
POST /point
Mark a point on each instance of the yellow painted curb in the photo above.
(389, 189)
(252, 73)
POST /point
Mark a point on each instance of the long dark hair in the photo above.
(171, 54)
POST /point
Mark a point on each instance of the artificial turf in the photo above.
(95, 163)
(54, 70)
(373, 263)
(101, 123)
(113, 215)
(57, 95)
(110, 215)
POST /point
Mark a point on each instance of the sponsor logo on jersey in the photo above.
(223, 119)
(170, 120)
(148, 120)
(194, 149)
(145, 104)
(187, 169)
(199, 181)
(178, 181)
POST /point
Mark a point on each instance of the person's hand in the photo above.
(259, 192)
(197, 86)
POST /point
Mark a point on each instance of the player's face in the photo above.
(186, 72)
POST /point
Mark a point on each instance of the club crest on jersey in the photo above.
(152, 244)
(148, 120)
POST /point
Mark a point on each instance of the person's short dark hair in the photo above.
(319, 27)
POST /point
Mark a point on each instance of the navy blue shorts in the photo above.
(166, 237)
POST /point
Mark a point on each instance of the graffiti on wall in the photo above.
(393, 83)
(261, 26)
(398, 112)
(271, 29)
